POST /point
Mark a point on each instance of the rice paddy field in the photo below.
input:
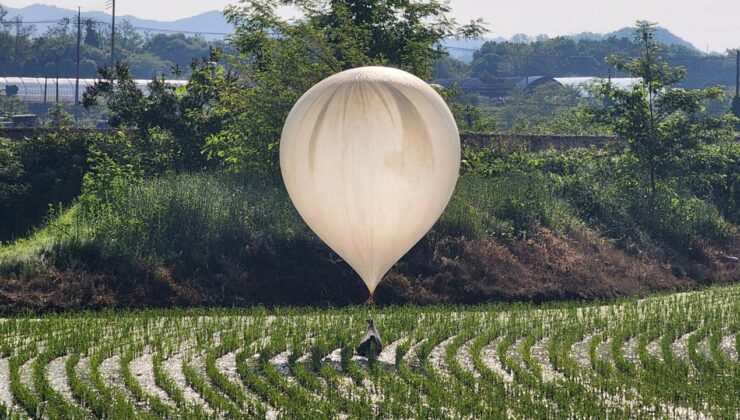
(669, 356)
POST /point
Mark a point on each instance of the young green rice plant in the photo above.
(662, 356)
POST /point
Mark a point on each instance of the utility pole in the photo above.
(79, 38)
(113, 35)
(18, 23)
(737, 73)
(57, 97)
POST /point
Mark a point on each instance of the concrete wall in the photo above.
(536, 142)
(19, 133)
(532, 142)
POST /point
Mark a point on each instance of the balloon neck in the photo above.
(370, 300)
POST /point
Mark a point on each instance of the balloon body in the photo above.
(370, 158)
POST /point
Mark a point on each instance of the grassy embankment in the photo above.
(565, 228)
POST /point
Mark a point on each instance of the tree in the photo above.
(128, 37)
(566, 56)
(171, 121)
(10, 104)
(58, 117)
(92, 38)
(662, 125)
(283, 59)
(175, 47)
(117, 88)
(21, 40)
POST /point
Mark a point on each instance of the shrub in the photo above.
(504, 206)
(37, 172)
(190, 218)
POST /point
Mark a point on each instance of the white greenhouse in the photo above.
(583, 84)
(52, 90)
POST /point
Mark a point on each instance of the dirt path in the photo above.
(491, 360)
(437, 357)
(388, 355)
(539, 354)
(173, 367)
(728, 346)
(680, 347)
(5, 396)
(143, 370)
(57, 377)
(465, 359)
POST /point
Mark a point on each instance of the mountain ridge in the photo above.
(213, 25)
(462, 49)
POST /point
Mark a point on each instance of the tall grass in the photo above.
(197, 219)
(194, 217)
(503, 207)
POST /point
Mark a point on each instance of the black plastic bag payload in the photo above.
(371, 342)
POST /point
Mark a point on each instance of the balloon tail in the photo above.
(369, 300)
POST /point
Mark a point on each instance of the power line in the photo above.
(193, 32)
(27, 22)
(109, 24)
(597, 58)
(518, 53)
(182, 31)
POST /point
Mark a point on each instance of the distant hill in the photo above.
(662, 35)
(463, 49)
(211, 22)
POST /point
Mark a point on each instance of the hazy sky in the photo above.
(713, 23)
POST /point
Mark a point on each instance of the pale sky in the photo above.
(712, 23)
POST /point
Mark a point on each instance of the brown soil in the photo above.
(550, 266)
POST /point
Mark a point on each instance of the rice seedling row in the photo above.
(672, 356)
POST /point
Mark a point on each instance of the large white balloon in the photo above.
(370, 158)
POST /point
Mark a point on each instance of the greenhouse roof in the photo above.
(44, 89)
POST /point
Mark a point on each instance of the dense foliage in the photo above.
(24, 52)
(663, 126)
(563, 56)
(284, 59)
(172, 123)
(159, 221)
(37, 173)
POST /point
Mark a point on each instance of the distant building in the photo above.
(583, 84)
(44, 90)
(501, 87)
(23, 120)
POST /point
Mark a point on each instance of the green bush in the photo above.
(35, 173)
(604, 188)
(190, 218)
(736, 110)
(506, 193)
(607, 192)
(196, 219)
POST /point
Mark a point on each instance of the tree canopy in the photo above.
(25, 52)
(281, 59)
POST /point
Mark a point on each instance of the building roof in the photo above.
(497, 87)
(584, 83)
